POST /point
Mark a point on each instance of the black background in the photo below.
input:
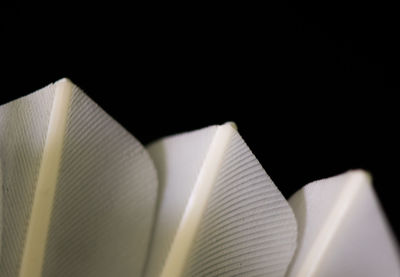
(311, 86)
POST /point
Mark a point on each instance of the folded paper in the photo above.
(80, 196)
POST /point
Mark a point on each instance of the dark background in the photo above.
(311, 86)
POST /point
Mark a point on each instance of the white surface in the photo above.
(246, 228)
(197, 203)
(342, 230)
(23, 130)
(102, 202)
(178, 160)
(36, 237)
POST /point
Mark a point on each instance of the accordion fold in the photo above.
(80, 196)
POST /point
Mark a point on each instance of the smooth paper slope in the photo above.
(101, 201)
(342, 230)
(255, 230)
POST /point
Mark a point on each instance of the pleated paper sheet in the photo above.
(80, 196)
(231, 220)
(23, 125)
(342, 230)
(79, 192)
(178, 160)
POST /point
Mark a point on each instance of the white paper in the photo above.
(104, 196)
(342, 230)
(247, 227)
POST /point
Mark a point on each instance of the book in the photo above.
(80, 196)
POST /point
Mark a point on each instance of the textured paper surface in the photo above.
(178, 160)
(342, 230)
(23, 129)
(248, 228)
(1, 204)
(43, 200)
(105, 194)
